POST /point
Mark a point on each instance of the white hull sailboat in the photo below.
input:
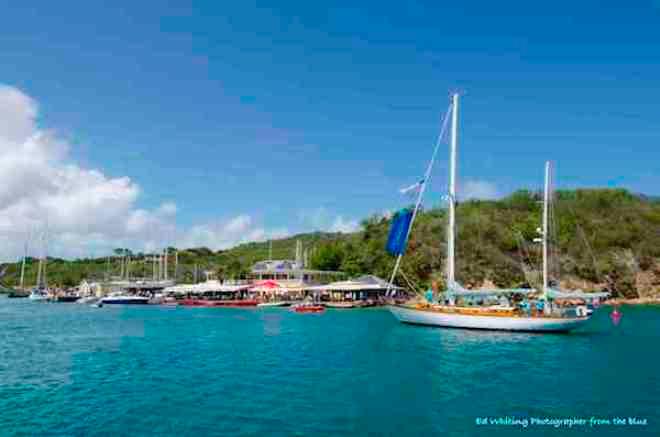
(38, 295)
(88, 300)
(442, 317)
(496, 317)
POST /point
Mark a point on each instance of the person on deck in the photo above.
(539, 307)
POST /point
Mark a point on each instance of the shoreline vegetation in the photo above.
(637, 301)
(605, 239)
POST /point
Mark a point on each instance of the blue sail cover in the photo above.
(398, 238)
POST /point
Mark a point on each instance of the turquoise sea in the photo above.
(68, 369)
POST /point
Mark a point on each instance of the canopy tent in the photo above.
(458, 290)
(578, 294)
(204, 287)
(363, 283)
(293, 286)
(266, 286)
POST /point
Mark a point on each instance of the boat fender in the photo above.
(581, 311)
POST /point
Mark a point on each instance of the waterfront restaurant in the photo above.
(367, 287)
(271, 290)
(289, 270)
(212, 289)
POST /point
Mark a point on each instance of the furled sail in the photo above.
(398, 238)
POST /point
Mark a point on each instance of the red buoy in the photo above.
(615, 316)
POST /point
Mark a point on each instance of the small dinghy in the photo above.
(308, 308)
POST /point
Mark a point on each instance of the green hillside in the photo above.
(603, 239)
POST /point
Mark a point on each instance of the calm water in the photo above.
(69, 369)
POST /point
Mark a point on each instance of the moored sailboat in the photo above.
(533, 310)
(20, 292)
(40, 292)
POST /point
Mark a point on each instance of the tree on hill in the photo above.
(604, 238)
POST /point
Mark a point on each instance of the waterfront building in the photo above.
(290, 270)
(212, 289)
(367, 287)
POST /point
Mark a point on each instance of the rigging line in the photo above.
(422, 190)
(591, 253)
(410, 284)
(585, 240)
(429, 169)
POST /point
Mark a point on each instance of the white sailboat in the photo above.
(20, 292)
(40, 292)
(542, 317)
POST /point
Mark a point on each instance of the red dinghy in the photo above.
(308, 308)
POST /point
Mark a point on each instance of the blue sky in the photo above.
(286, 111)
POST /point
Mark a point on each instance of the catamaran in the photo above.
(519, 309)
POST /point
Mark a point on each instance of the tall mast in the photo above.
(121, 265)
(176, 265)
(451, 234)
(420, 195)
(23, 265)
(40, 266)
(165, 264)
(44, 276)
(546, 199)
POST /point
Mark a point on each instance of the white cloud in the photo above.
(41, 189)
(167, 209)
(86, 212)
(321, 219)
(342, 225)
(475, 189)
(83, 210)
(222, 235)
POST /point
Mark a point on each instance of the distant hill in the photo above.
(604, 238)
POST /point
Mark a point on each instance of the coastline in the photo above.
(634, 301)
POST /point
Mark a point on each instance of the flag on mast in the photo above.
(398, 237)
